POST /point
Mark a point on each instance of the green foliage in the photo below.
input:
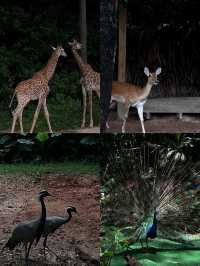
(119, 182)
(114, 241)
(68, 167)
(44, 147)
(28, 30)
(65, 113)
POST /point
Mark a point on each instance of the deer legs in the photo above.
(140, 114)
(122, 110)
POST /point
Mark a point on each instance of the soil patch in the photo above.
(157, 124)
(75, 243)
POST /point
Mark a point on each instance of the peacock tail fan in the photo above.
(148, 180)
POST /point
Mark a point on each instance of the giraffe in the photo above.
(90, 81)
(35, 88)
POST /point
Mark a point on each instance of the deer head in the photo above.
(152, 77)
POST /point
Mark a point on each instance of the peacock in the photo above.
(151, 192)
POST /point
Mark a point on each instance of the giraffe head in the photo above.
(75, 45)
(59, 51)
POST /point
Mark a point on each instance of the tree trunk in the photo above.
(108, 30)
(122, 43)
(83, 29)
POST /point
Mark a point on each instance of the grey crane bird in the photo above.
(28, 231)
(54, 222)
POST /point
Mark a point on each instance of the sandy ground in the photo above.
(157, 124)
(75, 243)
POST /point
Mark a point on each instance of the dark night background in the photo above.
(29, 28)
(165, 33)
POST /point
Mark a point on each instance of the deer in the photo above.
(129, 95)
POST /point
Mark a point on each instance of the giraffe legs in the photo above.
(90, 101)
(37, 111)
(17, 114)
(46, 113)
(14, 122)
(84, 105)
(21, 122)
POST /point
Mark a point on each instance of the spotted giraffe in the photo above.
(36, 88)
(90, 81)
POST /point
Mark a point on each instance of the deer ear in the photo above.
(53, 47)
(146, 71)
(158, 71)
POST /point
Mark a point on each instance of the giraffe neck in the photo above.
(67, 219)
(50, 67)
(79, 61)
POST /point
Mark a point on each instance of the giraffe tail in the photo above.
(10, 105)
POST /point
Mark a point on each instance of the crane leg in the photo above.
(52, 252)
(44, 245)
(25, 246)
(27, 252)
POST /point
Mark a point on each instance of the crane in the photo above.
(54, 222)
(29, 231)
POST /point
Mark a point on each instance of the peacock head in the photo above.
(42, 194)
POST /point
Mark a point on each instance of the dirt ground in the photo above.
(75, 243)
(157, 124)
(83, 130)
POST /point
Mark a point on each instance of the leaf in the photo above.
(42, 136)
(89, 140)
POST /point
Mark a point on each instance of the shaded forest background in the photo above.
(28, 29)
(165, 33)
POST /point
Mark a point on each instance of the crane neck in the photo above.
(69, 217)
(42, 220)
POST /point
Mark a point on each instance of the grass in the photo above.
(69, 167)
(63, 116)
(170, 256)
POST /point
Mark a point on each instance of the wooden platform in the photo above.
(172, 105)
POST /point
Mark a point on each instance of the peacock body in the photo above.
(151, 194)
